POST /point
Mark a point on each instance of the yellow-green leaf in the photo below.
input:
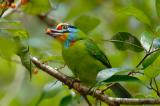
(137, 13)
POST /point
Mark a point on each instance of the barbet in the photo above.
(83, 56)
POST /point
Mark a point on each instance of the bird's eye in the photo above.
(65, 27)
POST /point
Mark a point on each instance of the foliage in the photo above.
(129, 33)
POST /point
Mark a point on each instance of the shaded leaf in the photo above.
(86, 23)
(158, 7)
(124, 41)
(107, 73)
(69, 100)
(146, 40)
(150, 59)
(20, 38)
(24, 55)
(119, 78)
(132, 11)
(7, 48)
(157, 30)
(50, 90)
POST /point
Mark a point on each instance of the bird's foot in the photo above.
(73, 80)
(92, 90)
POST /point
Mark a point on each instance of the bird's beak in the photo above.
(54, 32)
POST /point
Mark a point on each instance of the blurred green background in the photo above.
(17, 89)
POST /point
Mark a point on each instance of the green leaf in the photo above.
(68, 100)
(20, 37)
(124, 41)
(4, 21)
(107, 73)
(120, 78)
(26, 61)
(152, 72)
(158, 7)
(50, 90)
(80, 7)
(58, 59)
(156, 44)
(86, 23)
(139, 96)
(150, 59)
(7, 47)
(23, 34)
(10, 24)
(146, 40)
(37, 7)
(132, 11)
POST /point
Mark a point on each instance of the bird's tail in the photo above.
(120, 91)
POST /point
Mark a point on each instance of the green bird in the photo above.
(83, 56)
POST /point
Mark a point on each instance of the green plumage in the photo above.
(81, 59)
(83, 56)
(85, 59)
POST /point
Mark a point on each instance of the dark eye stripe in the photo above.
(65, 31)
(72, 27)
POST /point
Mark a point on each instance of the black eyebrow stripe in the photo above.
(72, 26)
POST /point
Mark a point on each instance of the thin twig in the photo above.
(142, 60)
(154, 79)
(86, 99)
(157, 88)
(109, 86)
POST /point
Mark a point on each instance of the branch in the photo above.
(82, 89)
(11, 10)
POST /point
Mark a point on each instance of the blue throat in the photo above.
(71, 37)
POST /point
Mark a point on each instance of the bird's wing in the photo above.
(94, 50)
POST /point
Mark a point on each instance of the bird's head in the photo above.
(65, 33)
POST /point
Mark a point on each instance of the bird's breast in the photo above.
(82, 64)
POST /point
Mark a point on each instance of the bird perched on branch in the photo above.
(83, 56)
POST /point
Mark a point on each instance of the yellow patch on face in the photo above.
(62, 38)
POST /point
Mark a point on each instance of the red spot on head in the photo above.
(59, 27)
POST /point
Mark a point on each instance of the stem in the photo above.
(149, 53)
(142, 60)
(86, 99)
(155, 83)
